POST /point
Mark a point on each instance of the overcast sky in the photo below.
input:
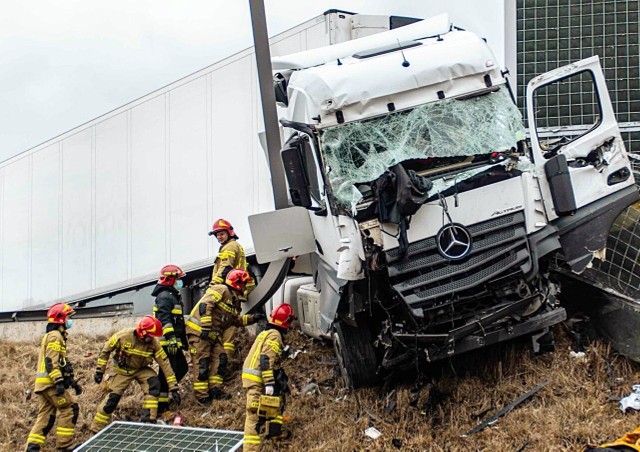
(65, 62)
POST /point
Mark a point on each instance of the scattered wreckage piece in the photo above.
(494, 418)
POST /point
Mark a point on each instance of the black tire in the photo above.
(356, 356)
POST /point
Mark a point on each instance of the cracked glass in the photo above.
(359, 152)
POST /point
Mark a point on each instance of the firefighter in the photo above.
(135, 348)
(217, 310)
(169, 310)
(262, 376)
(230, 256)
(51, 387)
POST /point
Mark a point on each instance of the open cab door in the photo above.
(578, 151)
(278, 236)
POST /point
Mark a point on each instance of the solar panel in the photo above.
(553, 33)
(123, 436)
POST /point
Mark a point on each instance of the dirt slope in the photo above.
(574, 409)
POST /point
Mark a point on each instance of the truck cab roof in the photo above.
(374, 76)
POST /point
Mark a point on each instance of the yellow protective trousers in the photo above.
(180, 368)
(118, 384)
(222, 354)
(50, 404)
(251, 428)
(251, 433)
(201, 350)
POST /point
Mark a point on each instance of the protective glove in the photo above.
(77, 388)
(174, 396)
(59, 388)
(268, 390)
(98, 377)
(172, 346)
(204, 334)
(259, 316)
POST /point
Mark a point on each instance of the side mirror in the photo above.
(296, 172)
(280, 88)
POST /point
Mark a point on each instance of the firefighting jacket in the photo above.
(132, 354)
(230, 256)
(216, 311)
(51, 361)
(264, 358)
(169, 310)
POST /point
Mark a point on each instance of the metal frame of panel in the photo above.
(121, 436)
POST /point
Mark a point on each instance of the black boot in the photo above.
(146, 416)
(66, 449)
(206, 401)
(218, 394)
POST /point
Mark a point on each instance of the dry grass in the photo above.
(575, 408)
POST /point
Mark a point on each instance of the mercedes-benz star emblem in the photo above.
(454, 241)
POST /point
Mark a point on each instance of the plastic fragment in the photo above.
(632, 401)
(373, 433)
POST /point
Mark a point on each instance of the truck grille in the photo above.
(428, 281)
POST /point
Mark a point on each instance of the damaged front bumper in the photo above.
(488, 330)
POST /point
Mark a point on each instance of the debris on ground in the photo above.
(493, 419)
(310, 389)
(580, 356)
(632, 401)
(294, 354)
(373, 433)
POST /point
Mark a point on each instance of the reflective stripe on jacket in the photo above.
(54, 347)
(133, 354)
(230, 256)
(270, 344)
(216, 311)
(169, 310)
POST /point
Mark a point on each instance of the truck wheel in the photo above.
(356, 356)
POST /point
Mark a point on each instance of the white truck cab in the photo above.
(432, 221)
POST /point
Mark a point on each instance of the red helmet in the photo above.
(237, 278)
(59, 312)
(149, 325)
(282, 316)
(222, 225)
(169, 274)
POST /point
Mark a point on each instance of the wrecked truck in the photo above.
(434, 221)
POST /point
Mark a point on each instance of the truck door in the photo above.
(577, 147)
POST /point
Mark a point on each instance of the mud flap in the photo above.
(268, 285)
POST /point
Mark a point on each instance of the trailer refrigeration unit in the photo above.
(434, 224)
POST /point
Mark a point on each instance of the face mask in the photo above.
(178, 284)
(68, 324)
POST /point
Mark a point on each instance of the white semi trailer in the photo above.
(94, 213)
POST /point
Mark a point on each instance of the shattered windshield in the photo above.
(361, 151)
